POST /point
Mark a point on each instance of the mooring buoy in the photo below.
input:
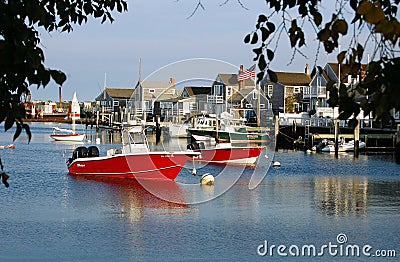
(207, 179)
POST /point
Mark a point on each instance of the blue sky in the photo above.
(158, 33)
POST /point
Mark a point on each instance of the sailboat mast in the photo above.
(258, 99)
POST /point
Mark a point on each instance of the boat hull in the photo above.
(231, 155)
(150, 165)
(68, 137)
(178, 131)
(233, 137)
(347, 147)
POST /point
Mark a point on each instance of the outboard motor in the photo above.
(193, 146)
(201, 145)
(80, 152)
(93, 151)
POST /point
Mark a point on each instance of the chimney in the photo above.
(307, 69)
(60, 95)
(241, 83)
(172, 85)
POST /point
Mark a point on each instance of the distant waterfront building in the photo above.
(115, 103)
(224, 86)
(147, 92)
(286, 95)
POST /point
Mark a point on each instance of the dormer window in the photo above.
(152, 91)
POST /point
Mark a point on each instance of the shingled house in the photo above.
(115, 102)
(286, 95)
(244, 103)
(224, 86)
(148, 92)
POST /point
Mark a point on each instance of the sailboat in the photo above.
(62, 134)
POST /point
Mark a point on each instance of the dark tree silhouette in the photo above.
(331, 21)
(22, 59)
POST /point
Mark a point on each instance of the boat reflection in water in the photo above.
(338, 196)
(127, 198)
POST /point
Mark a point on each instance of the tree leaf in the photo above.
(254, 40)
(317, 18)
(364, 7)
(271, 27)
(264, 34)
(261, 19)
(58, 76)
(18, 131)
(374, 15)
(27, 131)
(261, 62)
(270, 54)
(324, 35)
(272, 76)
(340, 26)
(247, 38)
(9, 121)
(341, 56)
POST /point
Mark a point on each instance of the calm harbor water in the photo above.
(312, 199)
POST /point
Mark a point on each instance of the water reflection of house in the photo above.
(341, 196)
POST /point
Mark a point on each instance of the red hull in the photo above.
(239, 155)
(151, 165)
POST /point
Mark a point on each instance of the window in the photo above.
(116, 103)
(296, 107)
(255, 93)
(297, 90)
(218, 90)
(228, 91)
(249, 106)
(103, 103)
(270, 90)
(152, 91)
(262, 105)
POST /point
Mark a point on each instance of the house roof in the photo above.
(122, 93)
(155, 84)
(231, 80)
(198, 90)
(239, 95)
(347, 70)
(293, 79)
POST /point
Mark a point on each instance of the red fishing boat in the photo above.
(133, 160)
(225, 153)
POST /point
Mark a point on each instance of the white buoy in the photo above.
(276, 164)
(194, 171)
(98, 140)
(207, 179)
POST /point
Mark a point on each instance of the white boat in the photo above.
(178, 130)
(61, 134)
(329, 146)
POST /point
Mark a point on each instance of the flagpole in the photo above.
(258, 100)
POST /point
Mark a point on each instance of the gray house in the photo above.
(224, 86)
(115, 102)
(286, 95)
(244, 103)
(148, 92)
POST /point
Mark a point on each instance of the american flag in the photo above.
(249, 73)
